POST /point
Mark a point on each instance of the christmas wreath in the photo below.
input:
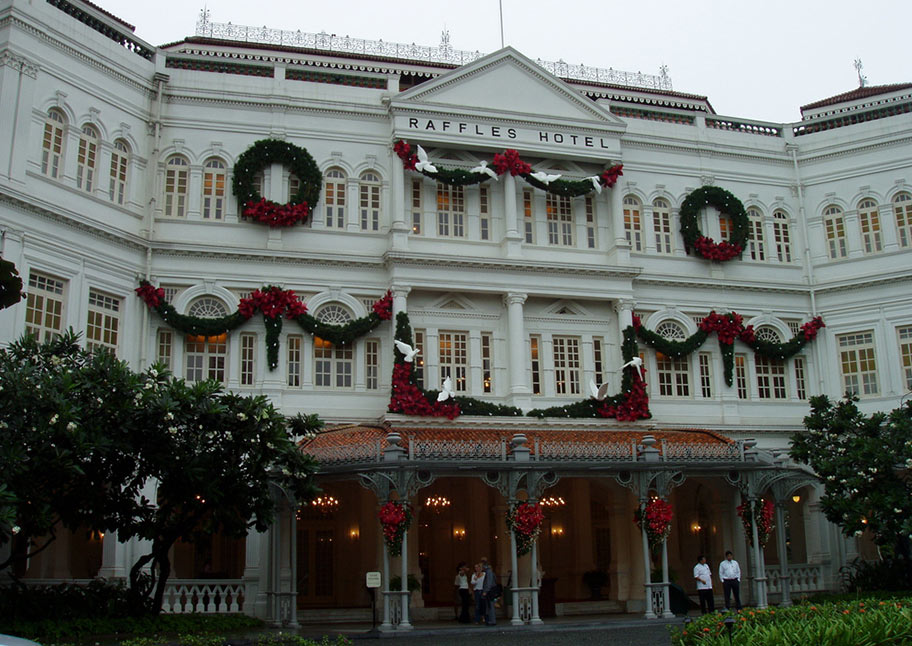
(395, 518)
(525, 519)
(299, 162)
(726, 203)
(656, 516)
(763, 512)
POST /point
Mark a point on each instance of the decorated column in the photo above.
(399, 229)
(517, 341)
(647, 573)
(513, 238)
(616, 199)
(784, 578)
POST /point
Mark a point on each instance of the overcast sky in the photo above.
(756, 60)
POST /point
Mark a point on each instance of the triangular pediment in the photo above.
(508, 83)
(566, 308)
(453, 302)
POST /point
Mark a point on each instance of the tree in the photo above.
(10, 284)
(864, 463)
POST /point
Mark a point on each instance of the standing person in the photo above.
(462, 590)
(703, 577)
(730, 573)
(477, 586)
(487, 592)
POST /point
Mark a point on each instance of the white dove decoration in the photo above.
(596, 183)
(637, 363)
(544, 178)
(446, 390)
(598, 392)
(423, 164)
(483, 168)
(407, 350)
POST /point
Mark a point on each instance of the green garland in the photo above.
(672, 348)
(10, 284)
(275, 151)
(562, 187)
(196, 325)
(339, 334)
(457, 176)
(725, 202)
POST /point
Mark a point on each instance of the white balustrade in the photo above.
(204, 596)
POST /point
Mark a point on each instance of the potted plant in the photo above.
(595, 580)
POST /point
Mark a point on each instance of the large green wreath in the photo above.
(299, 162)
(726, 203)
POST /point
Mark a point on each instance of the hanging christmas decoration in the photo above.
(525, 519)
(762, 511)
(395, 519)
(655, 515)
(727, 204)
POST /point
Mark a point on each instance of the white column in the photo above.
(400, 228)
(535, 584)
(759, 574)
(404, 597)
(514, 563)
(784, 578)
(616, 202)
(513, 238)
(647, 574)
(666, 612)
(400, 296)
(517, 340)
(386, 625)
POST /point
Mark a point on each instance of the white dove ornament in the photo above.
(596, 183)
(407, 350)
(483, 168)
(598, 392)
(446, 390)
(637, 363)
(544, 178)
(423, 164)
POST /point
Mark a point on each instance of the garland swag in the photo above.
(275, 151)
(729, 327)
(407, 398)
(274, 303)
(726, 203)
(525, 519)
(510, 162)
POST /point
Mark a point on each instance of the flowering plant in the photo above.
(524, 519)
(272, 301)
(656, 516)
(274, 214)
(395, 519)
(763, 514)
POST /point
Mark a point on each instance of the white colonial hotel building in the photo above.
(116, 164)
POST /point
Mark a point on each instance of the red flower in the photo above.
(274, 214)
(383, 308)
(637, 323)
(525, 520)
(404, 151)
(763, 514)
(656, 515)
(273, 302)
(717, 251)
(409, 399)
(510, 162)
(395, 518)
(153, 297)
(610, 176)
(728, 326)
(810, 329)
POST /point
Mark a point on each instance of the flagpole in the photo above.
(500, 2)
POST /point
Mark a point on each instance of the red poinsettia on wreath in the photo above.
(272, 301)
(274, 214)
(525, 519)
(657, 515)
(720, 251)
(151, 296)
(395, 519)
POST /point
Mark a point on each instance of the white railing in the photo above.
(803, 578)
(205, 596)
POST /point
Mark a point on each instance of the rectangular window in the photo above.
(755, 244)
(213, 190)
(419, 358)
(294, 361)
(706, 375)
(450, 211)
(800, 379)
(487, 361)
(484, 213)
(370, 204)
(334, 199)
(905, 353)
(725, 227)
(52, 145)
(661, 222)
(534, 347)
(560, 220)
(770, 378)
(859, 371)
(869, 218)
(633, 223)
(416, 206)
(783, 239)
(248, 359)
(372, 364)
(118, 184)
(104, 322)
(598, 361)
(673, 376)
(164, 344)
(206, 356)
(454, 358)
(566, 365)
(528, 217)
(591, 230)
(44, 306)
(332, 365)
(741, 376)
(836, 237)
(902, 209)
(85, 162)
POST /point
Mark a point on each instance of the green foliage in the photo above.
(457, 176)
(472, 406)
(850, 623)
(888, 576)
(339, 334)
(396, 583)
(275, 151)
(10, 284)
(722, 200)
(863, 462)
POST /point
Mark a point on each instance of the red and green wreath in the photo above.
(656, 516)
(395, 519)
(299, 162)
(525, 519)
(727, 204)
(763, 512)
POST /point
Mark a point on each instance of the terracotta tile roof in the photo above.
(856, 94)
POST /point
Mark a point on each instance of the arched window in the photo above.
(206, 356)
(369, 191)
(661, 224)
(52, 144)
(120, 164)
(869, 219)
(177, 177)
(756, 244)
(834, 224)
(87, 158)
(214, 176)
(334, 198)
(782, 236)
(770, 372)
(673, 372)
(902, 207)
(332, 364)
(633, 222)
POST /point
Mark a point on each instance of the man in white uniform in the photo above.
(730, 573)
(703, 577)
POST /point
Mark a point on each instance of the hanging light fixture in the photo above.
(552, 502)
(325, 504)
(437, 503)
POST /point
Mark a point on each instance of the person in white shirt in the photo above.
(462, 589)
(703, 577)
(477, 585)
(730, 573)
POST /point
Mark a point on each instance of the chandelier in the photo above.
(325, 504)
(437, 503)
(551, 502)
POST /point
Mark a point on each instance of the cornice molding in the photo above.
(19, 63)
(380, 114)
(394, 258)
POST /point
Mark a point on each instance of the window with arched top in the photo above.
(120, 165)
(661, 224)
(782, 235)
(52, 143)
(834, 225)
(673, 371)
(770, 372)
(334, 198)
(333, 365)
(757, 242)
(177, 179)
(869, 219)
(633, 222)
(902, 208)
(207, 307)
(87, 158)
(214, 177)
(205, 357)
(369, 193)
(768, 333)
